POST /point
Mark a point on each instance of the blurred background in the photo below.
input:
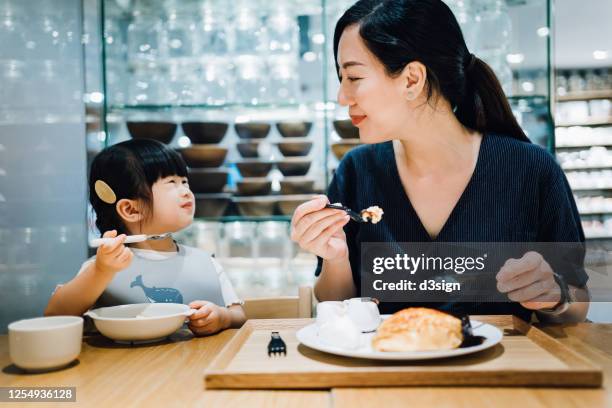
(247, 94)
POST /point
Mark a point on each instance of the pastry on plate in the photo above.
(418, 329)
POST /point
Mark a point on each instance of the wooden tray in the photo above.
(526, 357)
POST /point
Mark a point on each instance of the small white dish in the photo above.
(45, 343)
(362, 311)
(309, 337)
(140, 322)
(329, 310)
(340, 331)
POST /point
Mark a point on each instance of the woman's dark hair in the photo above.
(398, 32)
(130, 169)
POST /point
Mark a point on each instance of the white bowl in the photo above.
(45, 343)
(141, 322)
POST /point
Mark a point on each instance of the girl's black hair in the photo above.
(398, 32)
(130, 169)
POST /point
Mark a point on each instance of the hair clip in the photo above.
(105, 193)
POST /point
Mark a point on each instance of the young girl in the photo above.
(140, 187)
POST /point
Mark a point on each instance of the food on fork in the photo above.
(418, 329)
(373, 214)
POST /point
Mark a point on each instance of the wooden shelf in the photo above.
(595, 213)
(585, 96)
(585, 146)
(608, 188)
(604, 167)
(589, 122)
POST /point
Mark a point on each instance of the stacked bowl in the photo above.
(205, 159)
(349, 135)
(254, 187)
(295, 147)
(160, 131)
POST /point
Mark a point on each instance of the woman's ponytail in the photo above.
(484, 106)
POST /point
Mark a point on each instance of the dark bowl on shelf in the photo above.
(254, 168)
(293, 167)
(207, 180)
(254, 186)
(198, 156)
(248, 150)
(295, 148)
(296, 185)
(255, 206)
(160, 131)
(341, 148)
(294, 129)
(346, 129)
(204, 132)
(287, 205)
(214, 206)
(252, 130)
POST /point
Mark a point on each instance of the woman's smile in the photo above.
(357, 119)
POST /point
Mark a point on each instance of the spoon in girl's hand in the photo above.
(130, 239)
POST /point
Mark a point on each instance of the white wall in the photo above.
(582, 26)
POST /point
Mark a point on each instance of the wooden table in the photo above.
(171, 374)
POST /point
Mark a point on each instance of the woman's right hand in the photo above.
(319, 230)
(113, 256)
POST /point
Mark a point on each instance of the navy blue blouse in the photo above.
(517, 193)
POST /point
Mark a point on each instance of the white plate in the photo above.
(308, 336)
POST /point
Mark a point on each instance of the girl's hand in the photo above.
(208, 318)
(319, 230)
(530, 281)
(114, 256)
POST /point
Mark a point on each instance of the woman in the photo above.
(443, 156)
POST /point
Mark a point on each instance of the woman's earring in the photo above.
(410, 96)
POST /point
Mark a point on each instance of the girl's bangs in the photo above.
(161, 161)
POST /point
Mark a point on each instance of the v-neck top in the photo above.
(517, 193)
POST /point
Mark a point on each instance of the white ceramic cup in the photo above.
(45, 343)
(327, 311)
(364, 313)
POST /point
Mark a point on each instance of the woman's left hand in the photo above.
(530, 281)
(208, 318)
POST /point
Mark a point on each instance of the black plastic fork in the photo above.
(355, 216)
(276, 346)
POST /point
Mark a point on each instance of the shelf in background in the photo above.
(530, 98)
(595, 213)
(589, 122)
(603, 236)
(609, 188)
(584, 146)
(585, 96)
(244, 218)
(604, 167)
(203, 106)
